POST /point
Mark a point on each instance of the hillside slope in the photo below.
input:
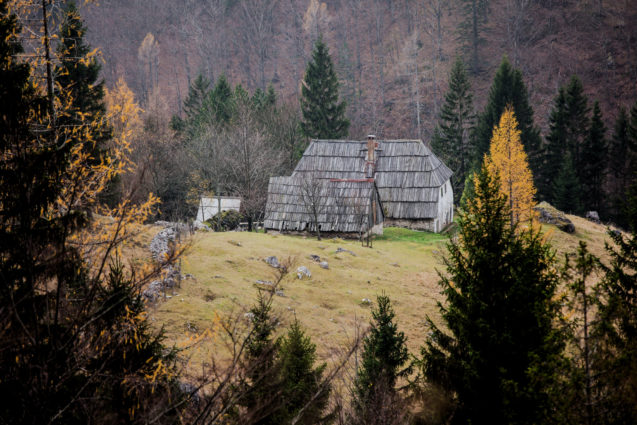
(403, 265)
(392, 57)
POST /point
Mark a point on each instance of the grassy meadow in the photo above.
(402, 263)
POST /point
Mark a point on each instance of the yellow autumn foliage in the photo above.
(509, 162)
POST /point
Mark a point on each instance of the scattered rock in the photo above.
(324, 265)
(188, 276)
(339, 249)
(616, 232)
(191, 391)
(235, 243)
(315, 258)
(265, 283)
(593, 216)
(217, 276)
(395, 264)
(280, 293)
(249, 315)
(273, 262)
(567, 227)
(199, 226)
(366, 301)
(548, 214)
(303, 271)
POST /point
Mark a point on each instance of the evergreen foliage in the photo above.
(617, 325)
(567, 190)
(323, 114)
(497, 358)
(621, 164)
(78, 77)
(577, 123)
(384, 356)
(302, 381)
(508, 88)
(263, 386)
(451, 138)
(75, 347)
(594, 162)
(554, 147)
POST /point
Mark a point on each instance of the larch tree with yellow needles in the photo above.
(509, 162)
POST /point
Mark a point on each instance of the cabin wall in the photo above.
(209, 207)
(445, 206)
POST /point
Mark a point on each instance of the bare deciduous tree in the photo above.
(314, 198)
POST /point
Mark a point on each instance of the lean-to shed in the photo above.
(413, 186)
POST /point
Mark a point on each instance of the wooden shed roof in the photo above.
(408, 175)
(344, 205)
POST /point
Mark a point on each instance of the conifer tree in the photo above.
(323, 114)
(508, 88)
(383, 359)
(554, 147)
(262, 387)
(197, 94)
(218, 107)
(498, 356)
(507, 160)
(577, 123)
(616, 324)
(78, 77)
(303, 392)
(619, 164)
(594, 162)
(567, 189)
(451, 139)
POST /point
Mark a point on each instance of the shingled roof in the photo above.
(345, 205)
(408, 175)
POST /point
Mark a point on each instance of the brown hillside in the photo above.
(386, 51)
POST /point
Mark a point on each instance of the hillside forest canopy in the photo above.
(118, 115)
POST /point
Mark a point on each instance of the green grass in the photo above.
(398, 234)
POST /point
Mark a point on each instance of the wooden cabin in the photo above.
(395, 182)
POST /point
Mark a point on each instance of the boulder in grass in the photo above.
(315, 258)
(324, 265)
(593, 216)
(303, 272)
(273, 262)
(548, 214)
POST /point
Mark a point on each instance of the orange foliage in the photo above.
(508, 161)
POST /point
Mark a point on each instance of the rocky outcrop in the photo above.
(548, 214)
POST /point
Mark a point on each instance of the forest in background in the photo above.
(392, 57)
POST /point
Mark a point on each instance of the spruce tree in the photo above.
(567, 189)
(619, 164)
(594, 162)
(301, 380)
(217, 109)
(323, 114)
(554, 147)
(497, 357)
(78, 76)
(508, 88)
(262, 387)
(577, 123)
(451, 138)
(384, 355)
(616, 324)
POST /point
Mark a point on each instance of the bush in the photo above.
(225, 221)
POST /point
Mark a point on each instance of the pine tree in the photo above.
(616, 324)
(323, 114)
(497, 357)
(451, 139)
(508, 88)
(567, 189)
(577, 123)
(217, 109)
(594, 162)
(554, 147)
(263, 386)
(301, 381)
(78, 77)
(619, 164)
(384, 356)
(61, 320)
(507, 160)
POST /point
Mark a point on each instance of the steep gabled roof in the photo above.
(344, 205)
(408, 175)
